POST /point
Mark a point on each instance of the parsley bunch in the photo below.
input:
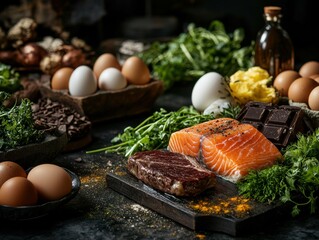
(17, 125)
(198, 51)
(295, 180)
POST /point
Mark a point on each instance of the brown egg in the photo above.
(309, 68)
(60, 79)
(10, 169)
(315, 77)
(283, 81)
(313, 100)
(300, 89)
(136, 71)
(105, 61)
(18, 191)
(51, 181)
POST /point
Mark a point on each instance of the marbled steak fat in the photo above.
(170, 172)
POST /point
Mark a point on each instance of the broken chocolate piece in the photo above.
(279, 123)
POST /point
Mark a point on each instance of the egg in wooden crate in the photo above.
(107, 90)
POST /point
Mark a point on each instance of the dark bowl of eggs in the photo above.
(36, 192)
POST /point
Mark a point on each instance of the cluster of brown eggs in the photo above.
(301, 86)
(45, 182)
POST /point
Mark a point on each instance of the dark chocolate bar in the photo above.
(279, 123)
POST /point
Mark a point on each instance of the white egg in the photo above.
(112, 79)
(82, 82)
(210, 87)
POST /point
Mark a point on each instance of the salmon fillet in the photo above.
(227, 147)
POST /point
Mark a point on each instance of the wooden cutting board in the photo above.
(227, 215)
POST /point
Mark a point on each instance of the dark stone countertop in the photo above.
(98, 212)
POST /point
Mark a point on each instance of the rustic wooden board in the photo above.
(180, 210)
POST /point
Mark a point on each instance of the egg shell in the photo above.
(18, 191)
(111, 79)
(136, 71)
(60, 79)
(315, 77)
(217, 106)
(82, 82)
(9, 170)
(309, 68)
(300, 89)
(313, 99)
(51, 181)
(105, 61)
(210, 87)
(283, 81)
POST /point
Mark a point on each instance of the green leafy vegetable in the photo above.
(17, 125)
(9, 79)
(198, 51)
(295, 180)
(155, 131)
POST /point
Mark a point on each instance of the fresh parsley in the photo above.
(17, 125)
(294, 181)
(198, 51)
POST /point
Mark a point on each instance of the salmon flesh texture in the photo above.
(227, 147)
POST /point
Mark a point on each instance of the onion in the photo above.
(32, 54)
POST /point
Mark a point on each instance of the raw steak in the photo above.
(170, 172)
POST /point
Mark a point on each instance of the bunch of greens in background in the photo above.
(295, 180)
(155, 131)
(196, 52)
(9, 79)
(17, 125)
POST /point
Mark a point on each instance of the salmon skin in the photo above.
(227, 147)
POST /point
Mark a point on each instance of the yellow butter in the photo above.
(252, 85)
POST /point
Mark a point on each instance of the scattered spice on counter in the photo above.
(91, 179)
(235, 206)
(200, 236)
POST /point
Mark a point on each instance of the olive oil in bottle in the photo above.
(274, 50)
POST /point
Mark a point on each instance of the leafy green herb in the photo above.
(295, 180)
(9, 79)
(155, 131)
(17, 125)
(196, 52)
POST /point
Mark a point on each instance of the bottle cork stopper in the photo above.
(272, 10)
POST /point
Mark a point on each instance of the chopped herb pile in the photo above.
(295, 180)
(196, 52)
(155, 131)
(17, 125)
(9, 79)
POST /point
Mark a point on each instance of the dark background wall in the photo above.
(97, 20)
